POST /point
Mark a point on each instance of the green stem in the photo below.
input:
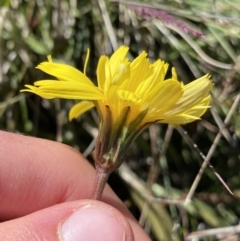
(99, 183)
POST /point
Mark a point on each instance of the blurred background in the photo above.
(157, 178)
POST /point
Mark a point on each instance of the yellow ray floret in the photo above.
(139, 85)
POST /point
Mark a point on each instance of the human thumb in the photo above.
(85, 220)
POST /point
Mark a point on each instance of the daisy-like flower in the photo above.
(129, 97)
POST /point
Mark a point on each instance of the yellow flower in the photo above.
(139, 85)
(129, 97)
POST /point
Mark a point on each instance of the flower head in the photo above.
(129, 97)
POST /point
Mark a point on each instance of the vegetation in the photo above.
(196, 37)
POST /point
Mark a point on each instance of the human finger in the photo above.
(37, 173)
(87, 220)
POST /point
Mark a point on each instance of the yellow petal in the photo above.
(66, 90)
(117, 57)
(200, 109)
(193, 94)
(163, 96)
(86, 61)
(64, 72)
(190, 115)
(101, 71)
(140, 70)
(157, 73)
(179, 120)
(128, 96)
(174, 73)
(108, 76)
(199, 86)
(160, 70)
(79, 108)
(49, 57)
(122, 74)
(34, 90)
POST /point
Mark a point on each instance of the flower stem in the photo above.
(99, 183)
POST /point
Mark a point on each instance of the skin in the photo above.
(43, 183)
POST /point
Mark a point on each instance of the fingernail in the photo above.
(91, 223)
